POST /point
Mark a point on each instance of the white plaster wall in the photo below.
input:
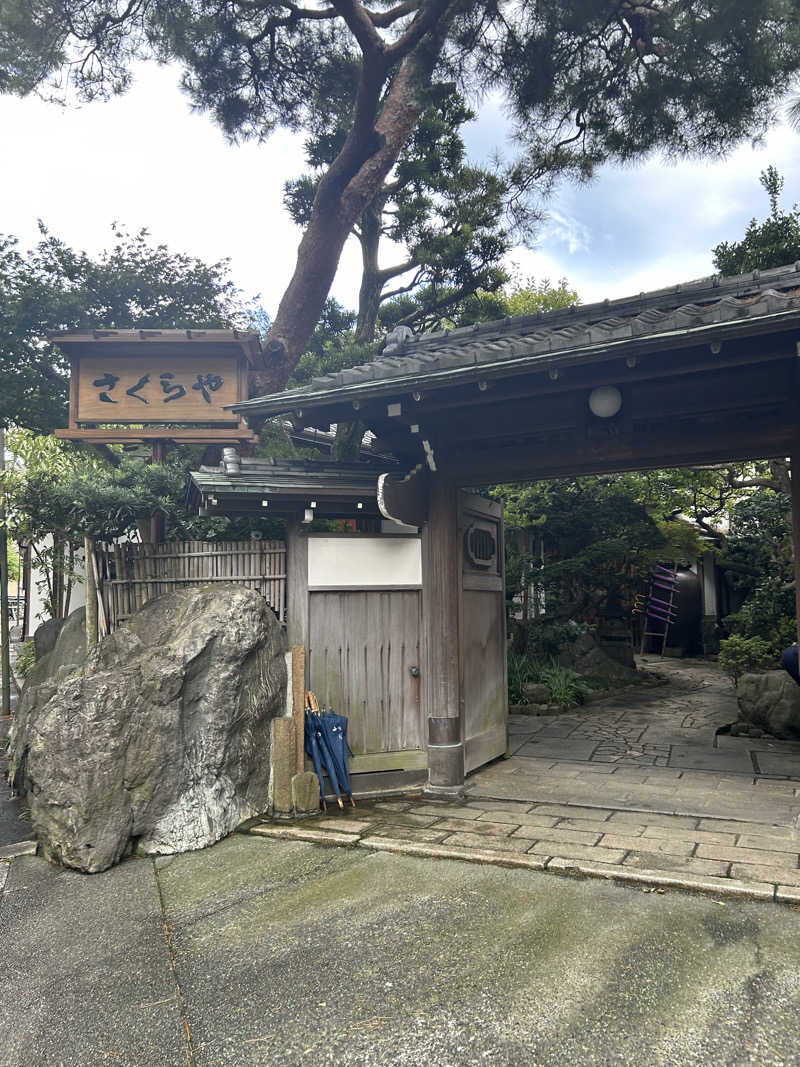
(364, 562)
(38, 611)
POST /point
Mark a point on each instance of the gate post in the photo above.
(440, 676)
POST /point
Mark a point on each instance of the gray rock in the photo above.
(770, 701)
(586, 656)
(536, 693)
(45, 637)
(159, 740)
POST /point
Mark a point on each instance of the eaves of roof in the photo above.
(478, 353)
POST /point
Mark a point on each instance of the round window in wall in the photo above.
(480, 546)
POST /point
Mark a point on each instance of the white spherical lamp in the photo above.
(605, 402)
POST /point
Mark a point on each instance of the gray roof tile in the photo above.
(704, 303)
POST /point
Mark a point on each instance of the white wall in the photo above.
(364, 562)
(38, 612)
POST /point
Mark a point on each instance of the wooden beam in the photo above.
(571, 455)
(195, 436)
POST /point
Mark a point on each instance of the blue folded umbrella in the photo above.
(333, 728)
(318, 747)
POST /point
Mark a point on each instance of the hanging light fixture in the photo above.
(605, 401)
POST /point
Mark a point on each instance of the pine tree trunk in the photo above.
(369, 296)
(347, 189)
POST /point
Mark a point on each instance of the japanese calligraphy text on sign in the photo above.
(158, 389)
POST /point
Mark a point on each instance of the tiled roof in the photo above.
(707, 306)
(264, 476)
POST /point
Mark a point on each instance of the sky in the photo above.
(145, 160)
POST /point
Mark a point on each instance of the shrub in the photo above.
(26, 659)
(565, 685)
(523, 668)
(742, 655)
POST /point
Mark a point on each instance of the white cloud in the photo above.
(144, 159)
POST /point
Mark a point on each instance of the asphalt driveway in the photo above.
(260, 951)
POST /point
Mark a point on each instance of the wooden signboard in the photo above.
(157, 388)
(129, 385)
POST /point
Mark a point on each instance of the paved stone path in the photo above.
(635, 788)
(651, 749)
(673, 725)
(724, 857)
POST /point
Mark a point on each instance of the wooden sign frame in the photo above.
(122, 381)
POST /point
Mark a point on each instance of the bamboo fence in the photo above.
(128, 575)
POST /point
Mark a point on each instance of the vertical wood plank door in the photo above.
(484, 686)
(362, 648)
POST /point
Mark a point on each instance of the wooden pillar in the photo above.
(796, 530)
(297, 586)
(157, 519)
(440, 667)
(91, 595)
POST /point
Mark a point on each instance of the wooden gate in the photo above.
(483, 631)
(364, 663)
(128, 575)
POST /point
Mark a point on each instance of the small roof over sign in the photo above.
(177, 342)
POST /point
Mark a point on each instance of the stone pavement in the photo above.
(262, 952)
(724, 857)
(651, 749)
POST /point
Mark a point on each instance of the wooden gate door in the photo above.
(483, 630)
(364, 663)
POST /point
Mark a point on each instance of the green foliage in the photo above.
(771, 243)
(740, 655)
(565, 686)
(26, 658)
(585, 82)
(443, 217)
(58, 491)
(586, 79)
(523, 669)
(599, 542)
(53, 287)
(519, 296)
(767, 614)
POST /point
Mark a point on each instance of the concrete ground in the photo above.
(15, 830)
(267, 952)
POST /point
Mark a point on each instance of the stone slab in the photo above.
(710, 759)
(20, 848)
(765, 873)
(769, 842)
(305, 793)
(409, 833)
(298, 833)
(481, 841)
(748, 855)
(572, 749)
(644, 860)
(557, 833)
(518, 818)
(698, 836)
(667, 845)
(578, 852)
(478, 826)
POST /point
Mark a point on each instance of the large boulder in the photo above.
(770, 701)
(587, 656)
(159, 739)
